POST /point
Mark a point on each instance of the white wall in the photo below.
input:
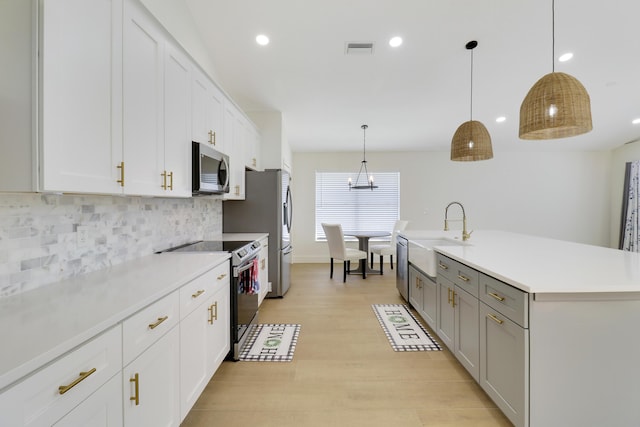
(563, 195)
(627, 153)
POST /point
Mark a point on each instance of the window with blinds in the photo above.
(356, 210)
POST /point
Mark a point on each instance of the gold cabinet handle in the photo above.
(83, 376)
(136, 396)
(449, 296)
(222, 276)
(156, 324)
(254, 162)
(197, 294)
(453, 299)
(496, 296)
(495, 319)
(464, 278)
(121, 180)
(171, 181)
(213, 316)
(443, 266)
(212, 137)
(263, 264)
(237, 190)
(164, 180)
(416, 283)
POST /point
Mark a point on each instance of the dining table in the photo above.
(363, 244)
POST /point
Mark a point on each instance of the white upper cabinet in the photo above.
(80, 95)
(113, 104)
(156, 109)
(207, 111)
(177, 123)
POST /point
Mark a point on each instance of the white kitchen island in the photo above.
(577, 336)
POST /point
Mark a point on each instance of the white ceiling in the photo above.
(415, 96)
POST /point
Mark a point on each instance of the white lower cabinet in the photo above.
(102, 409)
(204, 333)
(146, 370)
(151, 385)
(53, 392)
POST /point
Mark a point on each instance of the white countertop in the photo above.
(41, 325)
(542, 265)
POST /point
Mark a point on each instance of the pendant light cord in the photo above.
(553, 36)
(471, 103)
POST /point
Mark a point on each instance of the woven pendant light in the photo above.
(557, 105)
(471, 141)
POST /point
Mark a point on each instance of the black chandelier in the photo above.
(363, 166)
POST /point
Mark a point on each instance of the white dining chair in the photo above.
(388, 248)
(338, 250)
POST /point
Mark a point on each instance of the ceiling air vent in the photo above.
(358, 48)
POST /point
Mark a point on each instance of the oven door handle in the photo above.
(238, 270)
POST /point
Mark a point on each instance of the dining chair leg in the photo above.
(371, 260)
(381, 265)
(347, 267)
(364, 268)
(391, 261)
(331, 271)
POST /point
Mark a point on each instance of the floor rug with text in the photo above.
(270, 343)
(402, 329)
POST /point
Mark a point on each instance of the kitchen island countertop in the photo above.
(542, 265)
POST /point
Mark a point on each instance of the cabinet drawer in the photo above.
(148, 325)
(201, 288)
(509, 301)
(465, 277)
(37, 401)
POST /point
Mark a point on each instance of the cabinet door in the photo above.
(219, 322)
(80, 95)
(102, 409)
(234, 137)
(177, 123)
(143, 81)
(504, 346)
(466, 341)
(415, 290)
(194, 366)
(252, 148)
(446, 313)
(429, 301)
(208, 112)
(156, 399)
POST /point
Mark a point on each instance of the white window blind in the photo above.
(357, 210)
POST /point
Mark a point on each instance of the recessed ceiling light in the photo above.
(262, 40)
(565, 57)
(395, 41)
(636, 121)
(501, 119)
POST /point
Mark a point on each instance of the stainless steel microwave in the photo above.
(210, 170)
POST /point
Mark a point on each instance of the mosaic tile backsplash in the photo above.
(40, 243)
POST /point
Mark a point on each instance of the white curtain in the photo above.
(630, 237)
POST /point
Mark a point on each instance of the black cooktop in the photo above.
(210, 246)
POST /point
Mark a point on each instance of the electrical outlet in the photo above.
(82, 236)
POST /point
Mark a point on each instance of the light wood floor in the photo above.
(344, 372)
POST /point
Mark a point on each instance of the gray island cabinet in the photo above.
(548, 328)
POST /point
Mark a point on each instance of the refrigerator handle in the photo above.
(288, 210)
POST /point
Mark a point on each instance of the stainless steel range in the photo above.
(244, 286)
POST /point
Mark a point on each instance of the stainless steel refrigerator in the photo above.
(267, 208)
